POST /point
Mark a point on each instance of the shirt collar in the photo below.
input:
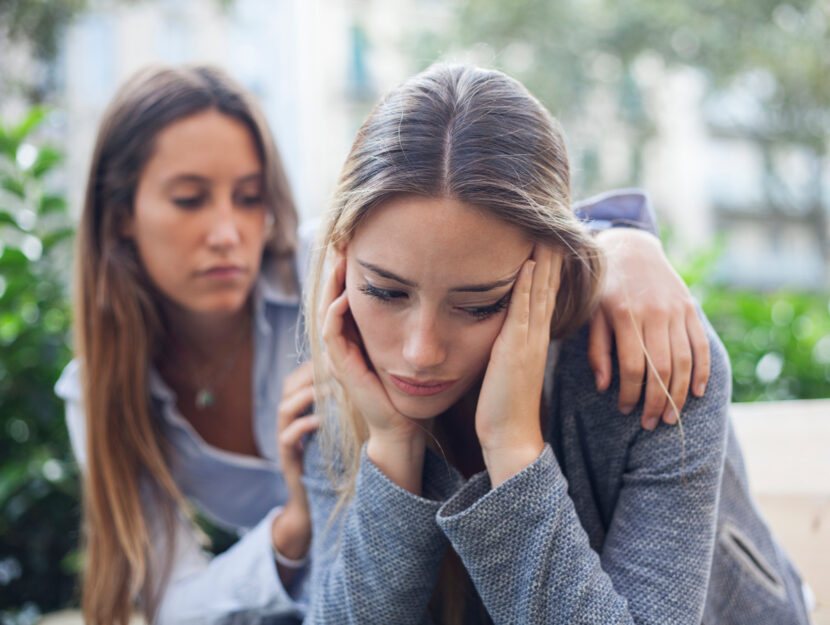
(270, 290)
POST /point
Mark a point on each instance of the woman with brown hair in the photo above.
(187, 297)
(189, 274)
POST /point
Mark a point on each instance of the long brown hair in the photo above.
(118, 326)
(479, 137)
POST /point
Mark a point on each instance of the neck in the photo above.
(208, 334)
(457, 430)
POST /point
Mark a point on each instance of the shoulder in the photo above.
(69, 389)
(68, 386)
(705, 419)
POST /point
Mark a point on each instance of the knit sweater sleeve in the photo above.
(532, 562)
(376, 558)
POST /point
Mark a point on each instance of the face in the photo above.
(199, 216)
(429, 282)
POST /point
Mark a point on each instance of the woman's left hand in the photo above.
(291, 529)
(507, 415)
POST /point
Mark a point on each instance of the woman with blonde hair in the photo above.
(468, 471)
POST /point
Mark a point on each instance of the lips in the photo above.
(421, 388)
(223, 272)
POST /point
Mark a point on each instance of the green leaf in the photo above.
(6, 219)
(14, 186)
(12, 258)
(56, 236)
(12, 477)
(32, 120)
(47, 158)
(8, 146)
(52, 204)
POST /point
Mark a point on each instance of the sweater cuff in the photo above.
(519, 500)
(395, 510)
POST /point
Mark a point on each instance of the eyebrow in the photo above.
(202, 179)
(467, 288)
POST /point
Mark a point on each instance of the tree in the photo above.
(39, 508)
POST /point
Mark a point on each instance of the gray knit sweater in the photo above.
(611, 524)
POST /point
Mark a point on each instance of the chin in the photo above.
(420, 408)
(224, 305)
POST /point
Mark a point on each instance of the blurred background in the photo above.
(719, 109)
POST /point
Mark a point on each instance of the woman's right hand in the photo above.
(396, 443)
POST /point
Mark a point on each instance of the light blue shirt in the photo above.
(237, 492)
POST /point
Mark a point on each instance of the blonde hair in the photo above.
(118, 327)
(476, 136)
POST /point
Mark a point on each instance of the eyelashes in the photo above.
(482, 312)
(384, 295)
(478, 313)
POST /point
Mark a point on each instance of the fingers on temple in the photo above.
(540, 288)
(333, 326)
(333, 287)
(700, 352)
(681, 353)
(554, 280)
(518, 313)
(546, 278)
(659, 373)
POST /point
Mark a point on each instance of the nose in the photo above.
(424, 346)
(223, 233)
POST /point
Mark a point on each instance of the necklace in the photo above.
(207, 379)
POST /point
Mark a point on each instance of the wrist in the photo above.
(400, 458)
(506, 461)
(291, 531)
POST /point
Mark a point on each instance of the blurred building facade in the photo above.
(318, 66)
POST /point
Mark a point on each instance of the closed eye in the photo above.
(479, 313)
(189, 201)
(384, 295)
(250, 200)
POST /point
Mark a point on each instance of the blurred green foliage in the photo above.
(778, 342)
(39, 510)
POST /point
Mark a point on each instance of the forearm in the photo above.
(524, 548)
(377, 560)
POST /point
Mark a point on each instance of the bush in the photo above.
(778, 342)
(39, 510)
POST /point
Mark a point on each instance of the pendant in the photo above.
(204, 398)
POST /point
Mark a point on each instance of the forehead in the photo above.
(440, 240)
(207, 142)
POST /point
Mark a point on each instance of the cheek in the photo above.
(161, 243)
(479, 342)
(253, 224)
